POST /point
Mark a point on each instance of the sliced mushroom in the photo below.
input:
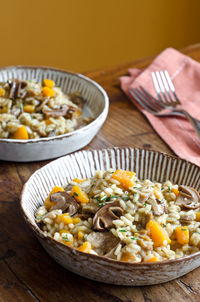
(65, 202)
(56, 112)
(157, 206)
(104, 244)
(15, 88)
(187, 217)
(188, 198)
(103, 219)
(77, 99)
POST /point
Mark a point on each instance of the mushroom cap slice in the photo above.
(103, 219)
(104, 244)
(188, 198)
(56, 112)
(64, 201)
(157, 206)
(15, 88)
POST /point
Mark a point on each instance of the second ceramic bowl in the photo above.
(97, 105)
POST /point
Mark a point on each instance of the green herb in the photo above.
(145, 204)
(123, 231)
(134, 238)
(114, 196)
(101, 204)
(164, 225)
(83, 238)
(108, 199)
(111, 172)
(126, 198)
(102, 198)
(136, 181)
(65, 238)
(183, 229)
(39, 216)
(21, 107)
(76, 194)
(135, 193)
(135, 188)
(169, 189)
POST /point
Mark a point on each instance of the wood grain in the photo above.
(27, 273)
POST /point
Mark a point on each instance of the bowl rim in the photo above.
(103, 113)
(40, 233)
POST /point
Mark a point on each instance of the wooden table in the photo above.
(27, 273)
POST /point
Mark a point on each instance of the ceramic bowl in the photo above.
(153, 165)
(97, 104)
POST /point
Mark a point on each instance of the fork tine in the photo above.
(155, 103)
(162, 88)
(156, 86)
(135, 96)
(144, 100)
(167, 89)
(171, 86)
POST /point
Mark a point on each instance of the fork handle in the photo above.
(194, 122)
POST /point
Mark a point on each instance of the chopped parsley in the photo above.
(123, 231)
(76, 194)
(125, 198)
(65, 238)
(21, 107)
(164, 225)
(135, 188)
(145, 204)
(182, 229)
(135, 193)
(83, 238)
(169, 189)
(134, 238)
(114, 196)
(102, 198)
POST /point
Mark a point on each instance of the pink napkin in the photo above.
(185, 73)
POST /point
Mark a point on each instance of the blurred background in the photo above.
(86, 35)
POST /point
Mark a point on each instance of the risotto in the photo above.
(116, 215)
(29, 110)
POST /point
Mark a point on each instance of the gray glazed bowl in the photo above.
(147, 164)
(97, 105)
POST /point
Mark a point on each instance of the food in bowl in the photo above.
(30, 110)
(116, 215)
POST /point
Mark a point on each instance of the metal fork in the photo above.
(158, 108)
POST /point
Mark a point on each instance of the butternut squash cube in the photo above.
(48, 83)
(85, 247)
(126, 178)
(79, 195)
(21, 133)
(47, 203)
(158, 235)
(182, 235)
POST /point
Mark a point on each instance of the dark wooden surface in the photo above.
(27, 273)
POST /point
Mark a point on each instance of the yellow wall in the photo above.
(82, 35)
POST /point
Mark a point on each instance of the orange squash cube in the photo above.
(47, 203)
(182, 235)
(48, 83)
(21, 133)
(85, 247)
(79, 195)
(158, 235)
(126, 178)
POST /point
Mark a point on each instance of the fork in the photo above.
(159, 108)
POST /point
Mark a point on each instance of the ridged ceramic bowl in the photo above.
(97, 105)
(147, 164)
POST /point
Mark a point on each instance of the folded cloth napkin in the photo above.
(185, 73)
